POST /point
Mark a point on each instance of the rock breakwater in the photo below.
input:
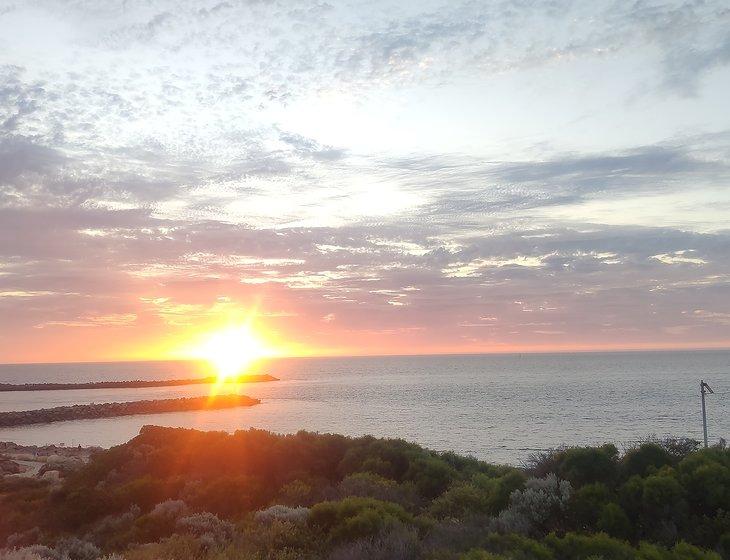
(110, 410)
(134, 384)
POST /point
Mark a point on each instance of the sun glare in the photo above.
(232, 351)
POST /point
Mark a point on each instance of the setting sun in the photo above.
(231, 351)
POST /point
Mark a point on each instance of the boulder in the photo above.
(8, 466)
(53, 476)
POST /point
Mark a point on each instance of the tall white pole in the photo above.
(704, 413)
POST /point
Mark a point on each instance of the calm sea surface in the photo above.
(500, 408)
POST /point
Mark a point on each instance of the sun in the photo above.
(232, 351)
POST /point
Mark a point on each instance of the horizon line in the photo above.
(626, 350)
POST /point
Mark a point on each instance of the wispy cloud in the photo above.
(497, 173)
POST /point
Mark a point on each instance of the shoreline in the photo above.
(132, 384)
(116, 409)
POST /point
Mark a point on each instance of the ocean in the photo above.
(501, 408)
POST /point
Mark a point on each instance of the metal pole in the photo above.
(704, 413)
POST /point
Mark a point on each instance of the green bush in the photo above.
(518, 547)
(482, 555)
(229, 496)
(587, 504)
(706, 476)
(354, 518)
(645, 459)
(373, 498)
(614, 521)
(685, 551)
(574, 546)
(460, 501)
(585, 465)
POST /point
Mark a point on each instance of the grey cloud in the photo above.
(18, 156)
(650, 161)
(311, 148)
(686, 66)
(464, 186)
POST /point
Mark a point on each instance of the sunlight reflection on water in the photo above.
(499, 408)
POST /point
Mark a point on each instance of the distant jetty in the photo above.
(110, 410)
(135, 384)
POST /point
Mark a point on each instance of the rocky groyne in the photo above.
(134, 384)
(109, 410)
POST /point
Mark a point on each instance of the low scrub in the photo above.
(179, 494)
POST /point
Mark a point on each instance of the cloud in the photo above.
(20, 157)
(165, 164)
(679, 257)
(111, 320)
(457, 185)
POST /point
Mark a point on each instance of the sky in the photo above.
(380, 177)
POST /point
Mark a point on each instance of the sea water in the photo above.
(500, 408)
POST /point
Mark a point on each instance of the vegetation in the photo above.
(178, 494)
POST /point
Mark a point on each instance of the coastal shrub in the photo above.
(388, 458)
(258, 538)
(614, 521)
(34, 552)
(578, 465)
(448, 537)
(482, 495)
(645, 459)
(25, 538)
(431, 475)
(354, 518)
(469, 466)
(114, 531)
(209, 528)
(573, 546)
(585, 465)
(478, 554)
(663, 497)
(176, 547)
(723, 545)
(72, 548)
(22, 503)
(630, 495)
(587, 503)
(460, 501)
(706, 477)
(144, 492)
(296, 493)
(161, 521)
(370, 497)
(76, 505)
(401, 461)
(663, 508)
(517, 547)
(369, 485)
(396, 543)
(685, 551)
(282, 513)
(541, 463)
(170, 509)
(228, 496)
(537, 509)
(500, 488)
(679, 447)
